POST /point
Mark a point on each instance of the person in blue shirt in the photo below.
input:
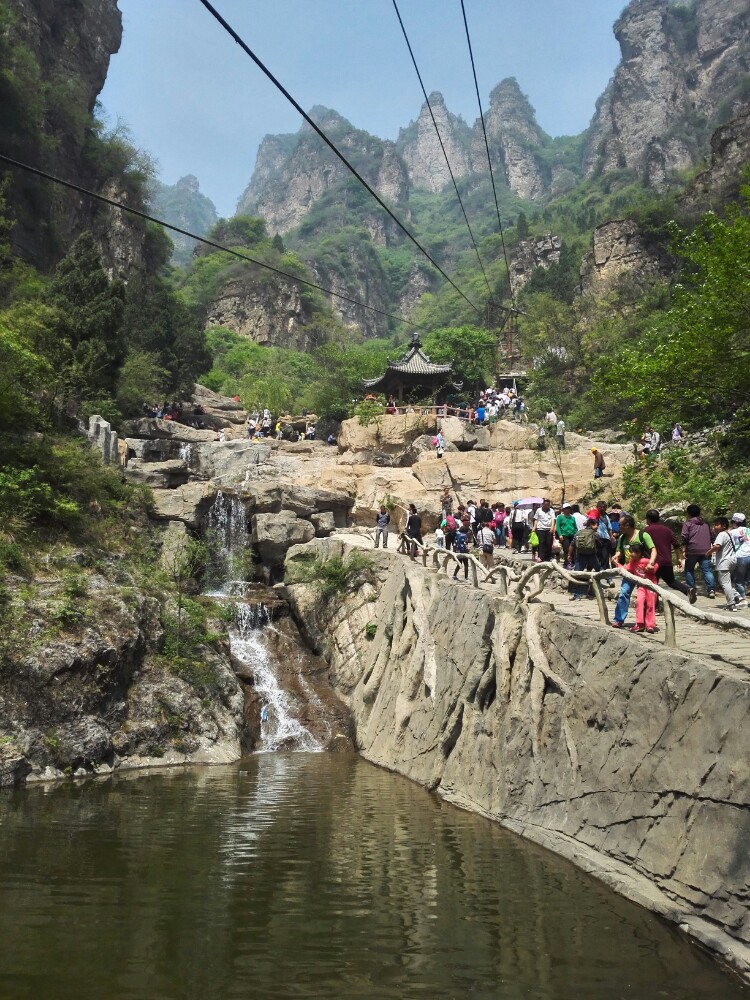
(481, 412)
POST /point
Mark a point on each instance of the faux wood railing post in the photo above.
(600, 601)
(670, 634)
(474, 577)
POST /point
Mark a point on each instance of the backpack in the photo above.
(460, 543)
(586, 541)
(450, 522)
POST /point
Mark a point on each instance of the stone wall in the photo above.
(630, 760)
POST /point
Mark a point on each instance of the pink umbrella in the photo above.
(530, 501)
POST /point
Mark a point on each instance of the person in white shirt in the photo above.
(722, 554)
(544, 523)
(486, 538)
(580, 518)
(740, 535)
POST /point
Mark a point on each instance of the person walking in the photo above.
(741, 538)
(544, 524)
(461, 548)
(450, 527)
(565, 530)
(599, 464)
(487, 545)
(382, 520)
(666, 543)
(414, 530)
(582, 552)
(696, 541)
(518, 527)
(560, 433)
(645, 603)
(605, 538)
(724, 557)
(628, 535)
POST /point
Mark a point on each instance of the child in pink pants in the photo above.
(645, 602)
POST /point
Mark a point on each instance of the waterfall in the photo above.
(281, 730)
(228, 552)
(186, 453)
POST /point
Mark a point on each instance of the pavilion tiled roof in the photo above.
(414, 362)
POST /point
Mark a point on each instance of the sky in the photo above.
(199, 105)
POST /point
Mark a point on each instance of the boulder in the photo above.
(154, 429)
(324, 524)
(103, 438)
(304, 501)
(186, 503)
(459, 433)
(388, 434)
(273, 534)
(165, 475)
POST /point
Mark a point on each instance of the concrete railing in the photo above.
(520, 586)
(444, 410)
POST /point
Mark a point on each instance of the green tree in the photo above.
(91, 309)
(470, 350)
(693, 360)
(522, 226)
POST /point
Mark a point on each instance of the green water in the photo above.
(308, 876)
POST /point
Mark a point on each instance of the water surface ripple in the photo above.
(308, 876)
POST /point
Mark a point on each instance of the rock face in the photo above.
(730, 151)
(57, 55)
(529, 255)
(515, 139)
(273, 314)
(680, 76)
(293, 172)
(93, 694)
(632, 761)
(183, 205)
(618, 249)
(419, 146)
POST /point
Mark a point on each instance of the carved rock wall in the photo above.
(628, 759)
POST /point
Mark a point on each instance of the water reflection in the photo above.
(308, 876)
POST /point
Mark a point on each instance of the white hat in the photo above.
(739, 518)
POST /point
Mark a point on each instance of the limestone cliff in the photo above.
(420, 148)
(293, 172)
(55, 58)
(515, 141)
(684, 70)
(184, 205)
(629, 759)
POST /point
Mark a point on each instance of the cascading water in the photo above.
(226, 538)
(186, 453)
(280, 729)
(227, 543)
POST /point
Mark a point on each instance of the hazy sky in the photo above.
(200, 106)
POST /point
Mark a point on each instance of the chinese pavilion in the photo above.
(414, 375)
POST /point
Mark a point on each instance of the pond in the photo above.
(308, 876)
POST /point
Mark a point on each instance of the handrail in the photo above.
(520, 583)
(441, 410)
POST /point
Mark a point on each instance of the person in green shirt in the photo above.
(629, 533)
(565, 530)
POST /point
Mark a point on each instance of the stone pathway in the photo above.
(698, 638)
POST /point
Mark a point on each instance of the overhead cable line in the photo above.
(442, 146)
(201, 239)
(487, 147)
(331, 145)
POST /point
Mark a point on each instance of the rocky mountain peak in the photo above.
(189, 183)
(420, 148)
(682, 73)
(514, 137)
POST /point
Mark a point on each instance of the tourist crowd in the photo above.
(594, 540)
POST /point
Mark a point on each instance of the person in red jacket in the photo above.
(665, 543)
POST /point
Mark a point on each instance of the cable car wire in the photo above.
(442, 146)
(201, 239)
(331, 145)
(487, 147)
